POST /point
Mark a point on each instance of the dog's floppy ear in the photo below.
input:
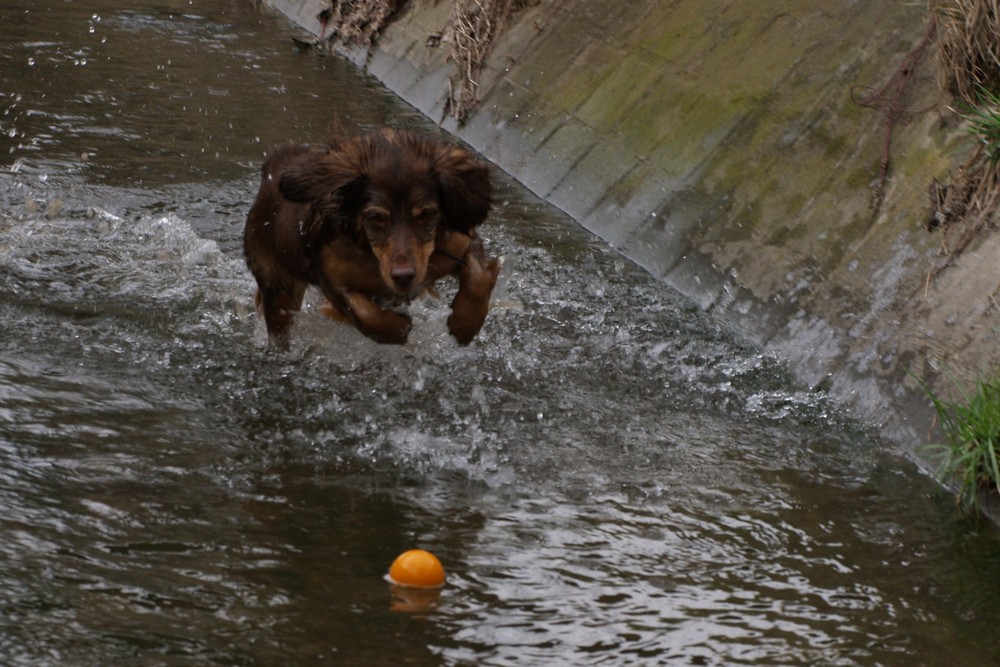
(298, 182)
(333, 183)
(465, 188)
(317, 178)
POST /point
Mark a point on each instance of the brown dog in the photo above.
(371, 220)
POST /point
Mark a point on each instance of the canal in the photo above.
(608, 476)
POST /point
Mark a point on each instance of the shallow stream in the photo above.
(608, 476)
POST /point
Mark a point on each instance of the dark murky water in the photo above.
(607, 476)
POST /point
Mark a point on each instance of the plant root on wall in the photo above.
(472, 28)
(356, 21)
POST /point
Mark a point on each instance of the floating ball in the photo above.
(417, 568)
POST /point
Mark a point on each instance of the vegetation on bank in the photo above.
(472, 28)
(971, 455)
(969, 49)
(969, 46)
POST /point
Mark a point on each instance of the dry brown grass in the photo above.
(472, 29)
(965, 206)
(969, 57)
(473, 26)
(357, 21)
(969, 47)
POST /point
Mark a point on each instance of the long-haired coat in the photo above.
(371, 220)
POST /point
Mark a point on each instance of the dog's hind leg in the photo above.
(279, 307)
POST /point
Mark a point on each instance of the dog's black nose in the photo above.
(403, 276)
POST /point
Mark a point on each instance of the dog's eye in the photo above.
(426, 216)
(376, 218)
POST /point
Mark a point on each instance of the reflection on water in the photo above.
(607, 476)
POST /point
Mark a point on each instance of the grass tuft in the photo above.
(972, 430)
(984, 123)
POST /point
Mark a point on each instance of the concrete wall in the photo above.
(719, 144)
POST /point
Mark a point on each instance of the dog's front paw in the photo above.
(382, 326)
(475, 286)
(397, 331)
(479, 275)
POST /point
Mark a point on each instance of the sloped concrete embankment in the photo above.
(722, 146)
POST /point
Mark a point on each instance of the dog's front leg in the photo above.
(475, 285)
(382, 326)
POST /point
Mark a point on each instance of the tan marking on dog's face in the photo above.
(426, 219)
(402, 240)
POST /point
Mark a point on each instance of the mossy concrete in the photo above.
(721, 146)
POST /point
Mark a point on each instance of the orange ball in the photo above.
(417, 568)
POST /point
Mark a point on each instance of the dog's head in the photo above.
(396, 191)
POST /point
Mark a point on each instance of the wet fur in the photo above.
(370, 220)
